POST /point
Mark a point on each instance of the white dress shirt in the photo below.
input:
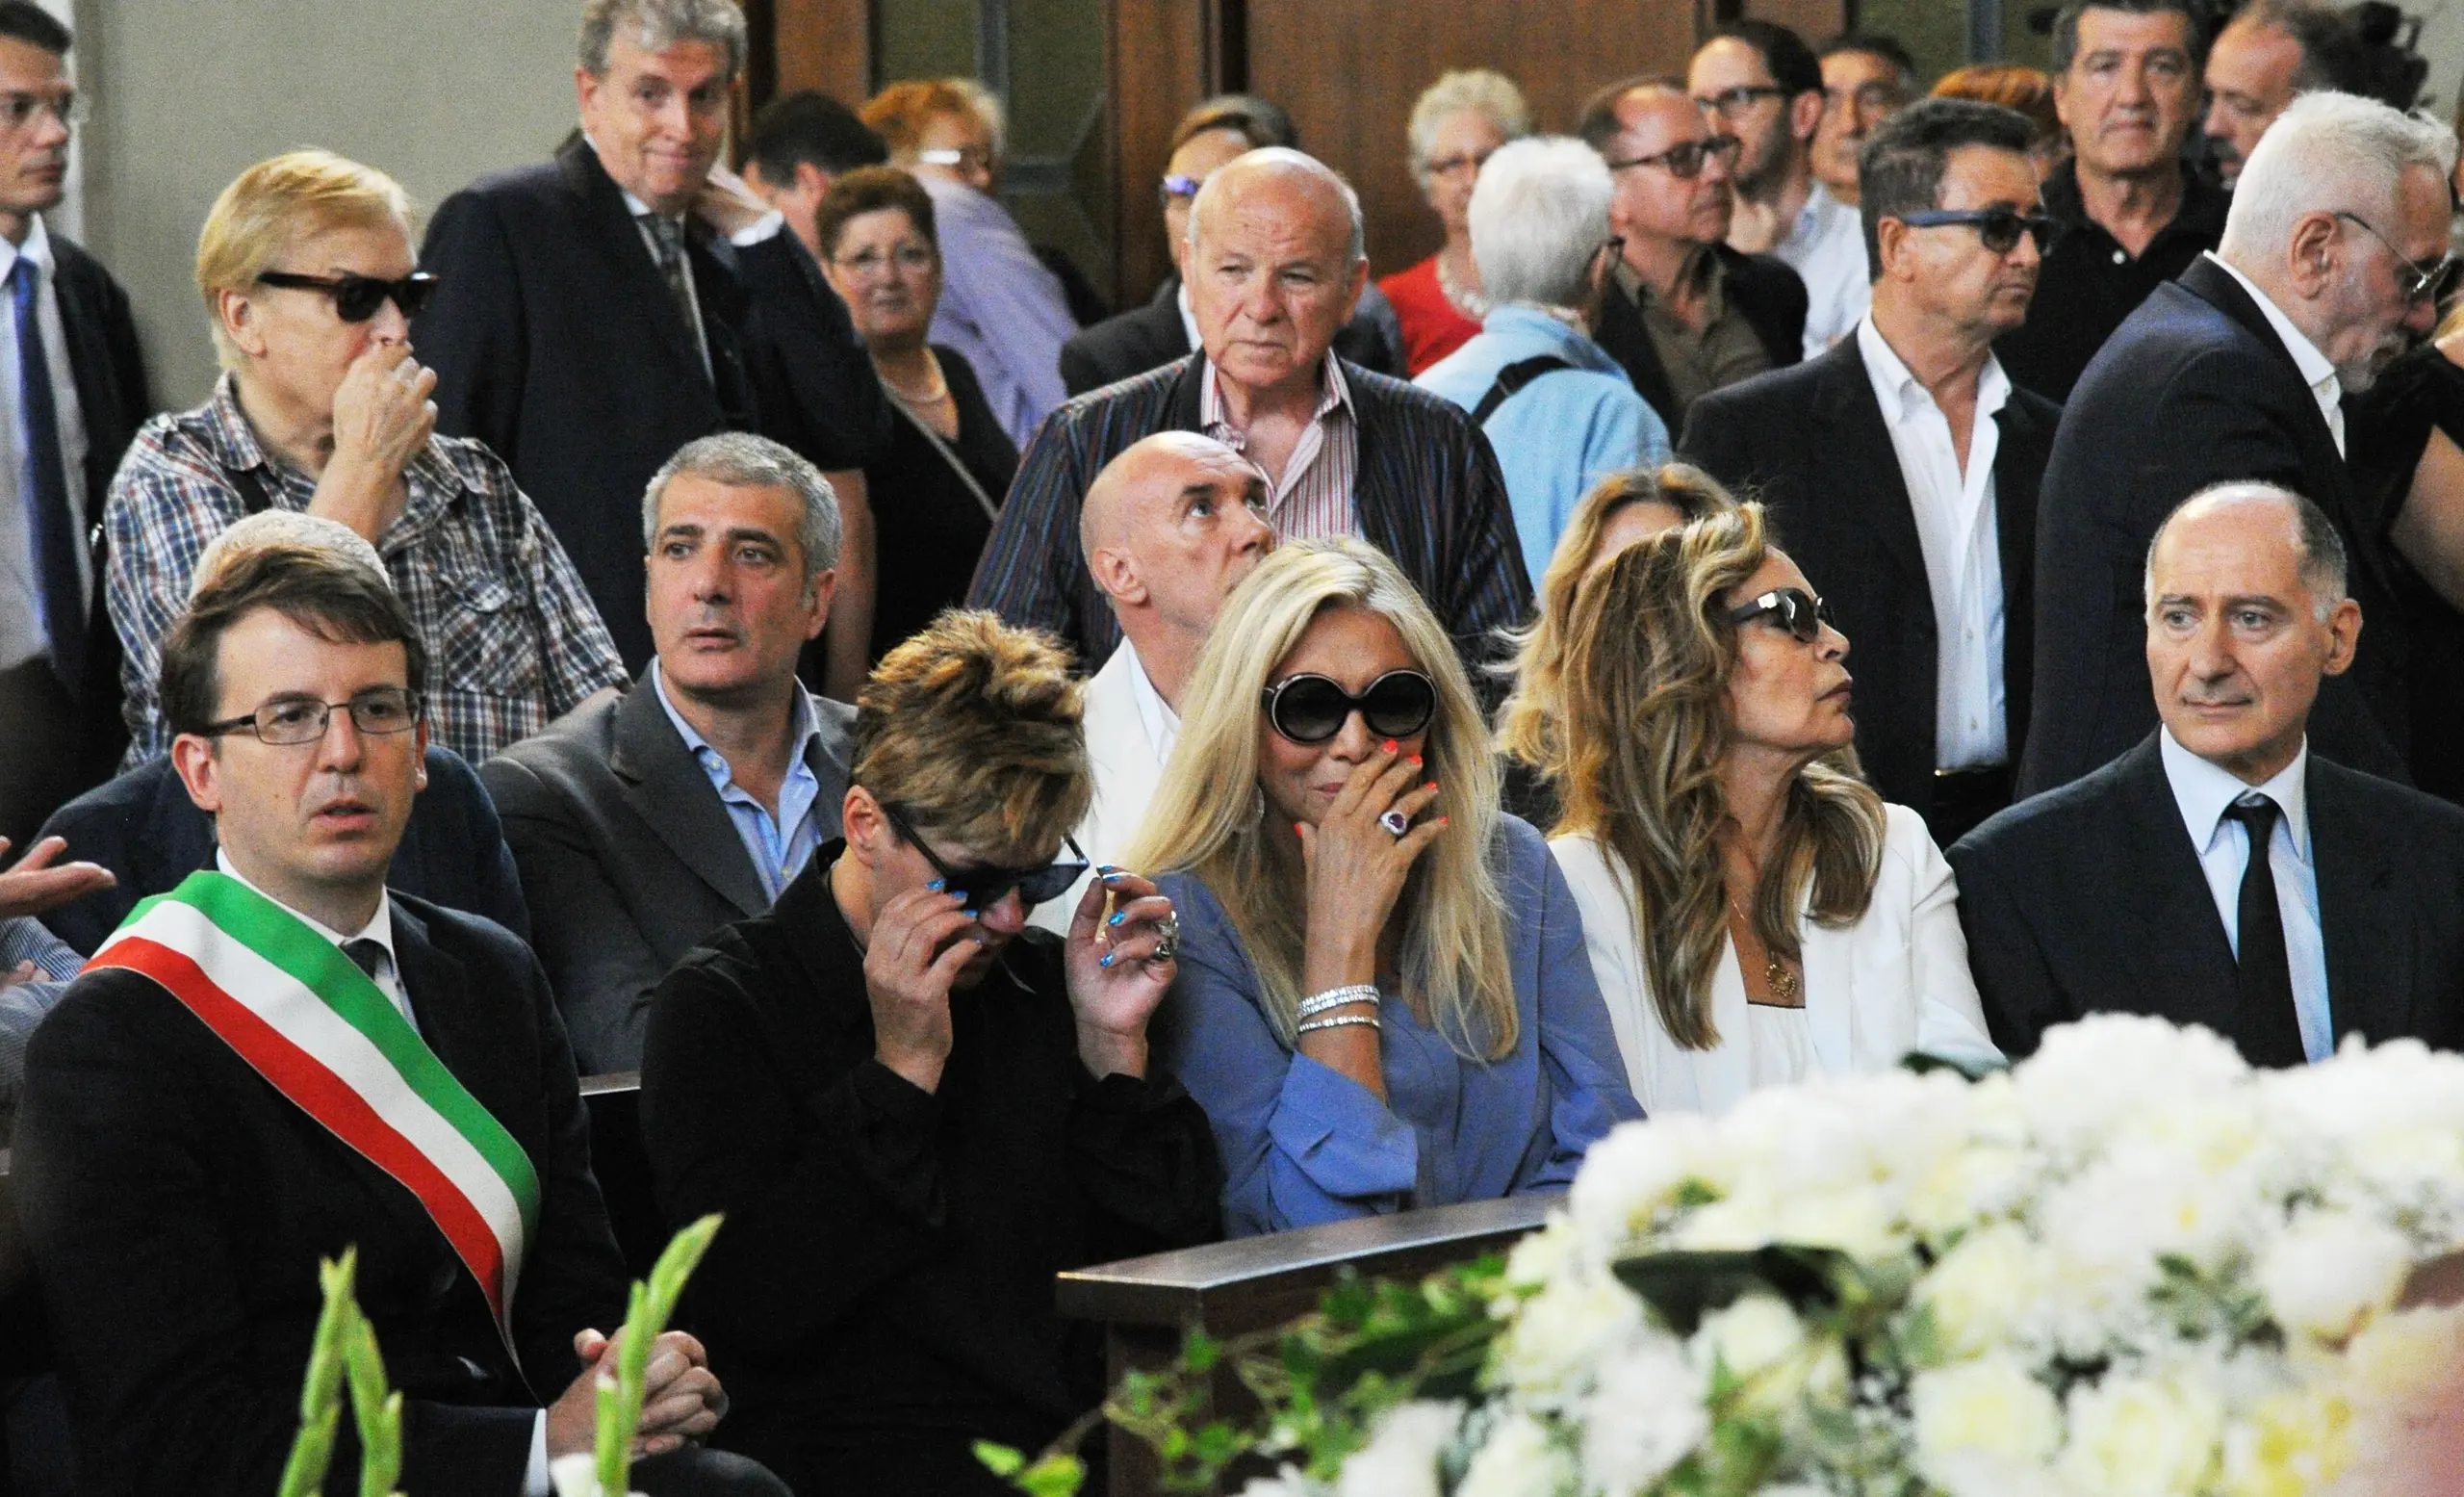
(1825, 247)
(2203, 792)
(1130, 732)
(2317, 371)
(651, 245)
(23, 637)
(1959, 528)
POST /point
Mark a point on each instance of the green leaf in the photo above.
(1054, 1476)
(1000, 1459)
(648, 1311)
(1201, 1352)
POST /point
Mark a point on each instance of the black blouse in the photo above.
(881, 1293)
(928, 530)
(2387, 428)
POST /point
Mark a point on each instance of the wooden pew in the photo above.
(1148, 1305)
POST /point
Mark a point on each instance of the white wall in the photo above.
(188, 93)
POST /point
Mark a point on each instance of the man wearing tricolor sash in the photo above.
(279, 1059)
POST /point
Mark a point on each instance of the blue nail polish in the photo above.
(1106, 867)
(970, 913)
(1118, 916)
(1107, 959)
(934, 886)
(1112, 876)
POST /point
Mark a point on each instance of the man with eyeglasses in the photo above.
(70, 359)
(282, 1059)
(2332, 264)
(1759, 81)
(306, 267)
(1684, 313)
(2134, 216)
(1866, 78)
(1902, 466)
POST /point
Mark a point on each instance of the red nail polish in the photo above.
(1432, 784)
(1416, 761)
(1390, 745)
(1296, 827)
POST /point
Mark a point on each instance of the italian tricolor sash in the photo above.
(326, 1036)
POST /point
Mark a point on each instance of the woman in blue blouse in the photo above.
(1383, 999)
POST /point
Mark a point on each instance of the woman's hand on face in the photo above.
(918, 943)
(1357, 867)
(1117, 973)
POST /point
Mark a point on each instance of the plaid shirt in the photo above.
(513, 641)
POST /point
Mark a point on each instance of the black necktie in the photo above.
(678, 274)
(42, 483)
(2267, 1027)
(365, 954)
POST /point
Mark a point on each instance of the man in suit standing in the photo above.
(2137, 890)
(1901, 465)
(2330, 267)
(645, 821)
(69, 360)
(801, 143)
(587, 322)
(281, 1060)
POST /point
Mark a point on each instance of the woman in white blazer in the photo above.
(1754, 912)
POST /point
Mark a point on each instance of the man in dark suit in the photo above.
(2137, 888)
(188, 1147)
(1684, 313)
(1917, 518)
(1279, 266)
(645, 821)
(72, 353)
(587, 323)
(2237, 371)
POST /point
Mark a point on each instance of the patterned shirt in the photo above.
(1313, 496)
(512, 638)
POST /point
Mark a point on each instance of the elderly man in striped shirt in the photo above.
(1276, 266)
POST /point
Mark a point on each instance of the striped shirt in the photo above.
(1312, 497)
(513, 641)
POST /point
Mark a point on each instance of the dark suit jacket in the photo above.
(2194, 389)
(1428, 488)
(177, 1204)
(1765, 291)
(111, 396)
(2090, 899)
(144, 827)
(630, 856)
(555, 343)
(1131, 343)
(1810, 443)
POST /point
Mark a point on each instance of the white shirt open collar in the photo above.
(2203, 792)
(1899, 391)
(378, 929)
(1162, 725)
(2318, 371)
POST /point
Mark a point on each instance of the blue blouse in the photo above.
(1303, 1143)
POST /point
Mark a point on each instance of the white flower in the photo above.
(2089, 1079)
(1401, 1456)
(1520, 1460)
(1560, 1336)
(2142, 1436)
(1286, 1483)
(1980, 1290)
(1636, 1172)
(1756, 1333)
(2330, 1270)
(2293, 1444)
(1646, 1415)
(2405, 1357)
(1977, 1473)
(1989, 1406)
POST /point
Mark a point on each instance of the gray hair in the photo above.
(1466, 90)
(658, 25)
(739, 459)
(2327, 152)
(1539, 216)
(1285, 156)
(2324, 567)
(283, 530)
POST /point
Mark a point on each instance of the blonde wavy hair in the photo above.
(1528, 720)
(1646, 726)
(1207, 820)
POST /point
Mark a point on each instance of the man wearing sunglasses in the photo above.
(1682, 312)
(2332, 264)
(1902, 466)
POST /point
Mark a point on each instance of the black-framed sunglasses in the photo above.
(356, 297)
(981, 889)
(1684, 160)
(2419, 282)
(290, 720)
(1800, 612)
(1311, 708)
(1999, 228)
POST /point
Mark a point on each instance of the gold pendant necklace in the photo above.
(1781, 982)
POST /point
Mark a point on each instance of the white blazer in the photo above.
(1895, 982)
(1128, 764)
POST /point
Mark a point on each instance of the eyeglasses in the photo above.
(1739, 99)
(1999, 228)
(2419, 282)
(1177, 187)
(17, 111)
(356, 297)
(1448, 165)
(1311, 708)
(1869, 98)
(1800, 612)
(1684, 160)
(978, 158)
(981, 889)
(382, 711)
(906, 257)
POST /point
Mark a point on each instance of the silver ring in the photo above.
(1167, 940)
(1397, 821)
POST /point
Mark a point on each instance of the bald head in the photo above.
(2260, 517)
(1168, 528)
(1290, 186)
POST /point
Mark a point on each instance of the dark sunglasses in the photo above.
(981, 889)
(356, 297)
(1684, 161)
(1999, 228)
(1309, 708)
(1800, 612)
(2419, 282)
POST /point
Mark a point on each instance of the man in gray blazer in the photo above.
(644, 821)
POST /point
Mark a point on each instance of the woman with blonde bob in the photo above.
(1754, 912)
(1383, 1001)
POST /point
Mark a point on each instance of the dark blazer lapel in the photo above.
(1390, 509)
(2177, 946)
(668, 790)
(2363, 916)
(2019, 457)
(633, 277)
(1850, 429)
(1182, 398)
(1627, 339)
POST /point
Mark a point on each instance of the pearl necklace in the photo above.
(1471, 303)
(941, 385)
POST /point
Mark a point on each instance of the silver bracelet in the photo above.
(1338, 1022)
(1336, 998)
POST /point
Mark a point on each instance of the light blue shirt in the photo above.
(2203, 792)
(779, 846)
(1559, 435)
